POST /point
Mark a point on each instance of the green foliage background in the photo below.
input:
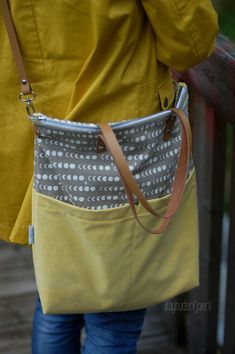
(226, 11)
(227, 23)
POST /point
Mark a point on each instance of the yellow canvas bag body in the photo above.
(115, 223)
(90, 253)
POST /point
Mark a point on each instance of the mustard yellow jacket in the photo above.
(90, 61)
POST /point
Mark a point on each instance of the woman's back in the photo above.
(90, 61)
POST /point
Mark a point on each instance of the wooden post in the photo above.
(229, 340)
(212, 108)
(209, 154)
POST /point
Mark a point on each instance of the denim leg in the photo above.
(113, 332)
(56, 334)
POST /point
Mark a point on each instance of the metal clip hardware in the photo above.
(30, 108)
(28, 98)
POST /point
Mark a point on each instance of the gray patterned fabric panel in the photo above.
(68, 168)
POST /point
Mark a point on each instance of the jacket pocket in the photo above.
(154, 97)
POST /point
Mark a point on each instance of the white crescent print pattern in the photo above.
(68, 167)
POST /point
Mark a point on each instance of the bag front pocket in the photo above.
(102, 260)
(82, 258)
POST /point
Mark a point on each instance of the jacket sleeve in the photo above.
(185, 30)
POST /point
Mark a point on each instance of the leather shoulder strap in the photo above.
(24, 82)
(109, 139)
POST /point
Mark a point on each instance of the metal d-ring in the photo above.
(27, 97)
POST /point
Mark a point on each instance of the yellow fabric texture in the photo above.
(106, 260)
(89, 61)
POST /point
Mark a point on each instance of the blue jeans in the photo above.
(106, 332)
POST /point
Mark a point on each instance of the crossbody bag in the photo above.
(114, 212)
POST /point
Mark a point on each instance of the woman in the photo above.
(90, 61)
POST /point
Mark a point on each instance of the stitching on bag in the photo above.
(84, 219)
(130, 217)
(140, 213)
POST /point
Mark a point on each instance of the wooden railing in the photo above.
(212, 112)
